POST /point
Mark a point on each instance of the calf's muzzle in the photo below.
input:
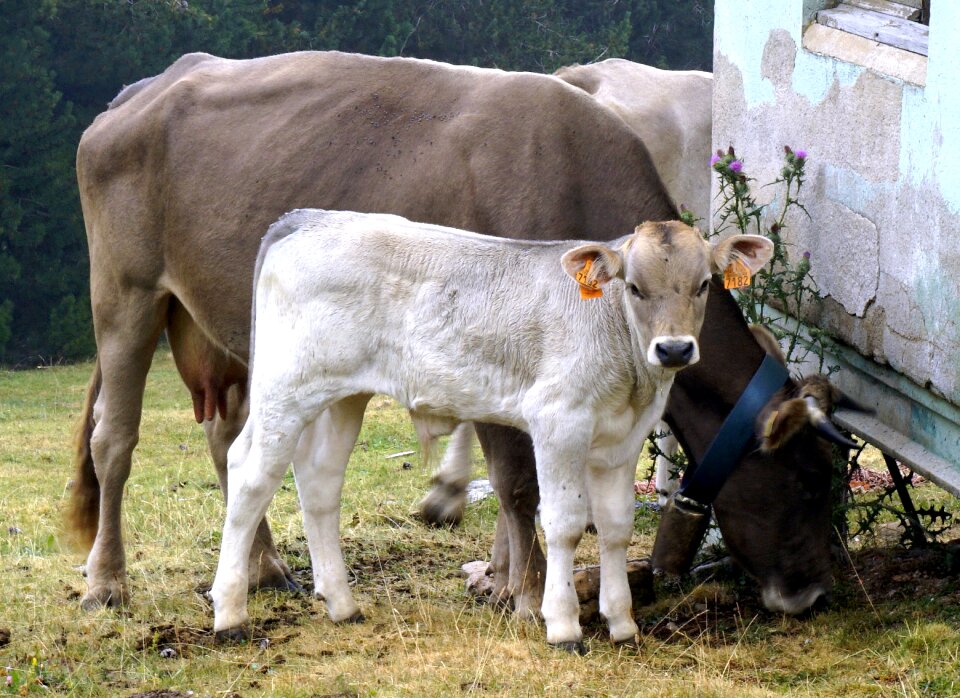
(674, 354)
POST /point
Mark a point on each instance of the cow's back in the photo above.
(671, 110)
(182, 177)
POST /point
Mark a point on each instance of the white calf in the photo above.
(463, 327)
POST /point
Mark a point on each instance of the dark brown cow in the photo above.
(183, 174)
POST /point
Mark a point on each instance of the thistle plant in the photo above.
(785, 284)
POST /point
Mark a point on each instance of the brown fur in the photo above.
(769, 343)
(784, 423)
(182, 176)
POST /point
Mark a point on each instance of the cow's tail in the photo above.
(83, 514)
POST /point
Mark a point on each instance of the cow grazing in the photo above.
(459, 326)
(181, 176)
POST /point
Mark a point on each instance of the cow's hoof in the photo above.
(106, 596)
(231, 636)
(631, 643)
(443, 506)
(573, 647)
(500, 598)
(281, 582)
(275, 575)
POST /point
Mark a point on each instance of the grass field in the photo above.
(894, 629)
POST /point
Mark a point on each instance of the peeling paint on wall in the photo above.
(884, 177)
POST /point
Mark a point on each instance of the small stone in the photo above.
(264, 643)
(168, 653)
(14, 531)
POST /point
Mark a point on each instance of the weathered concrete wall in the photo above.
(883, 187)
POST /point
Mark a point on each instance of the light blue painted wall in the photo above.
(885, 162)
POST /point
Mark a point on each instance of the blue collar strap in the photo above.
(703, 481)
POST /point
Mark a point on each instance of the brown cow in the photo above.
(183, 174)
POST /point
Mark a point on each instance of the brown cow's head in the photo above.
(774, 508)
(774, 511)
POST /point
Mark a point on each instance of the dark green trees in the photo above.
(62, 61)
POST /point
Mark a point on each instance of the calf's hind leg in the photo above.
(319, 466)
(267, 568)
(256, 463)
(214, 377)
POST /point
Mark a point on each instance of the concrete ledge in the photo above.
(850, 48)
(904, 449)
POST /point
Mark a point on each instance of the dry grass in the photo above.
(423, 636)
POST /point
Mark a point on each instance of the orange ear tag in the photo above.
(736, 275)
(588, 288)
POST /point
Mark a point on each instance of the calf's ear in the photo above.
(752, 250)
(592, 265)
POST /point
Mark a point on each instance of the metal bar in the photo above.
(914, 528)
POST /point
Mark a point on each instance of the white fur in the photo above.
(455, 326)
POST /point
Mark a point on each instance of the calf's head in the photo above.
(665, 270)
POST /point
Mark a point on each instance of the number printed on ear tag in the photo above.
(588, 288)
(736, 275)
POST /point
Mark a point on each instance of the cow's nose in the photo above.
(674, 353)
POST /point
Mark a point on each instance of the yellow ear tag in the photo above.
(736, 275)
(588, 288)
(768, 425)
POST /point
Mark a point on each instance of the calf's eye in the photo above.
(635, 291)
(703, 287)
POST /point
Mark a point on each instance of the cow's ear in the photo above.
(752, 250)
(592, 266)
(812, 406)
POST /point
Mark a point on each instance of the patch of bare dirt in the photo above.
(866, 479)
(179, 639)
(893, 572)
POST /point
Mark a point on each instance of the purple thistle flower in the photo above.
(714, 160)
(736, 166)
(806, 255)
(801, 154)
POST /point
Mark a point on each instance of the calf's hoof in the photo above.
(231, 636)
(105, 596)
(356, 618)
(573, 647)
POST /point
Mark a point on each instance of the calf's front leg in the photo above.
(612, 498)
(563, 515)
